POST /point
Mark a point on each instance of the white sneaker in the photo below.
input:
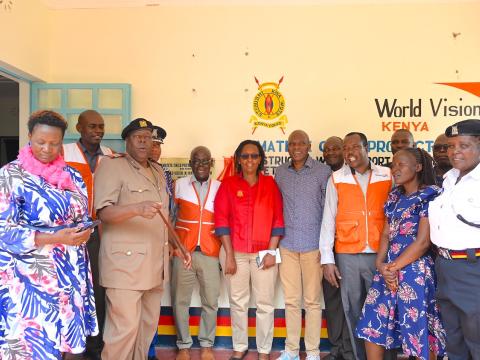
(312, 357)
(285, 355)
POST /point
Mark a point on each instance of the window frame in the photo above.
(125, 112)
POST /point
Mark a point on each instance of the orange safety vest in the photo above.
(74, 156)
(195, 222)
(360, 219)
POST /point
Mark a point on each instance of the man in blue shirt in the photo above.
(303, 182)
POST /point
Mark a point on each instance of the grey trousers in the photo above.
(357, 272)
(458, 295)
(206, 272)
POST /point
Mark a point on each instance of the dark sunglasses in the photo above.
(440, 147)
(251, 156)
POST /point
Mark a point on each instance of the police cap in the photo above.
(136, 124)
(469, 127)
(158, 134)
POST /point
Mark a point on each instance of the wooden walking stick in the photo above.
(175, 238)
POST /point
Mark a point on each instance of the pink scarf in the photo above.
(52, 172)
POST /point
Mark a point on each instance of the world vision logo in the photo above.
(268, 106)
(412, 114)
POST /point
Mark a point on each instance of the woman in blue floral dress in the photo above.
(400, 309)
(47, 306)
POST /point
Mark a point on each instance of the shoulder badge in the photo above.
(116, 155)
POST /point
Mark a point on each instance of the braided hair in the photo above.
(426, 176)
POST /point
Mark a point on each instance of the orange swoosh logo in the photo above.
(471, 87)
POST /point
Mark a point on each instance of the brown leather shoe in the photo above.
(183, 354)
(262, 356)
(206, 353)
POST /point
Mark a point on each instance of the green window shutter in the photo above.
(112, 101)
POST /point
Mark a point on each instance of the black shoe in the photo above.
(332, 357)
(152, 358)
(89, 355)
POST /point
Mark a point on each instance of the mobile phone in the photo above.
(89, 225)
(259, 263)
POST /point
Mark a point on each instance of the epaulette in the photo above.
(116, 155)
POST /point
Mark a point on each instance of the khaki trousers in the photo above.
(130, 323)
(263, 287)
(206, 272)
(301, 277)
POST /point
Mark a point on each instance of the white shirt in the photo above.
(327, 232)
(446, 230)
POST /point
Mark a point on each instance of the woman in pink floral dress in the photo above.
(47, 306)
(400, 309)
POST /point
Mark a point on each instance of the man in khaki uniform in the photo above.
(129, 191)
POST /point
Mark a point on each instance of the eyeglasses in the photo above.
(440, 147)
(247, 156)
(201, 162)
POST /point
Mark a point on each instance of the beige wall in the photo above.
(25, 38)
(24, 47)
(336, 60)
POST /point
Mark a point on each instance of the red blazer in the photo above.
(251, 215)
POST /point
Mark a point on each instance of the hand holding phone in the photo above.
(89, 226)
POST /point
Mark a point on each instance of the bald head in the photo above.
(299, 134)
(86, 115)
(334, 140)
(333, 152)
(441, 139)
(298, 148)
(402, 139)
(91, 127)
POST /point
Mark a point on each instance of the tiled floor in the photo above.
(220, 354)
(224, 354)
